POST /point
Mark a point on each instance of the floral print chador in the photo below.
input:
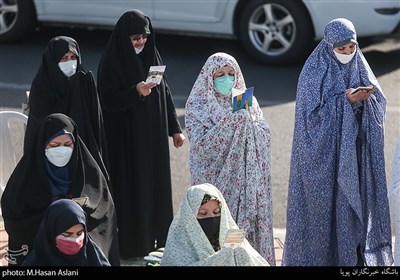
(231, 150)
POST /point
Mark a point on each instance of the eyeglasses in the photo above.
(139, 36)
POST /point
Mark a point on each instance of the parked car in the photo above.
(272, 31)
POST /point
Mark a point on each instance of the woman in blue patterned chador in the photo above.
(338, 211)
(394, 201)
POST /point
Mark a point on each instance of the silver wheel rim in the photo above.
(8, 15)
(272, 29)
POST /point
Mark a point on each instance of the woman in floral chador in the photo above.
(231, 150)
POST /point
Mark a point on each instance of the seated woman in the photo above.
(199, 232)
(58, 165)
(63, 240)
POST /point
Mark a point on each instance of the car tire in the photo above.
(277, 32)
(19, 19)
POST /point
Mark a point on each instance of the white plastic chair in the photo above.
(12, 131)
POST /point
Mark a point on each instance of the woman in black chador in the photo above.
(61, 85)
(138, 119)
(58, 165)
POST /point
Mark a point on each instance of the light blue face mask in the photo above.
(224, 84)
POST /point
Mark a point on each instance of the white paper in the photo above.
(234, 238)
(155, 74)
(82, 201)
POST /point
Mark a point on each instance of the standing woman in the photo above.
(58, 165)
(232, 150)
(338, 210)
(61, 85)
(138, 119)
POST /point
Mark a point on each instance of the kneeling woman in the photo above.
(199, 233)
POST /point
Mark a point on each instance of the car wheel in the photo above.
(17, 18)
(276, 31)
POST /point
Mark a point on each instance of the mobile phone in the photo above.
(362, 88)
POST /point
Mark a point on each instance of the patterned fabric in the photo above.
(187, 244)
(394, 201)
(232, 151)
(337, 200)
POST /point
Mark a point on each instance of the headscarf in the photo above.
(28, 194)
(49, 88)
(188, 245)
(50, 80)
(76, 96)
(59, 217)
(335, 202)
(120, 59)
(59, 177)
(394, 200)
(232, 151)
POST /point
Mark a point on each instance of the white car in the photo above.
(272, 31)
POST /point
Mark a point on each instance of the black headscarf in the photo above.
(59, 217)
(28, 194)
(53, 92)
(121, 66)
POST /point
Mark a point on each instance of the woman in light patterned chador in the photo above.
(201, 233)
(231, 150)
(338, 210)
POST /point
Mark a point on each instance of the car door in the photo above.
(97, 12)
(188, 15)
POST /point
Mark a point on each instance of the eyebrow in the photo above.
(70, 232)
(59, 142)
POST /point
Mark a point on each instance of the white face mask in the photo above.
(139, 50)
(344, 58)
(59, 156)
(68, 67)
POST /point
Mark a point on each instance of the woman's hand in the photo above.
(360, 95)
(144, 89)
(178, 138)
